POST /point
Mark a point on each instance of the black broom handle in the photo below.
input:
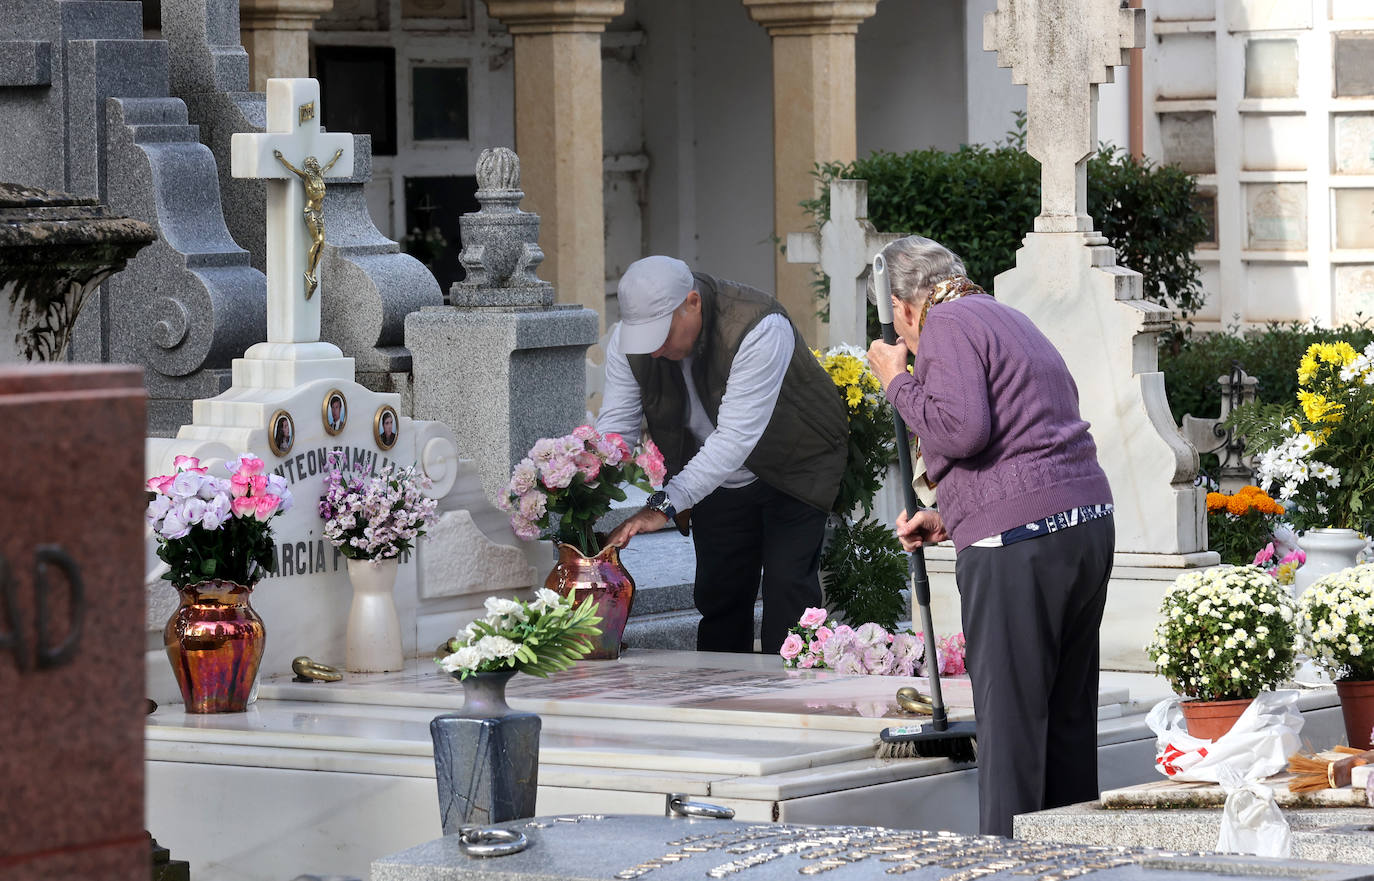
(916, 560)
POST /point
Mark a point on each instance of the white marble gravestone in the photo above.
(844, 248)
(292, 378)
(1067, 280)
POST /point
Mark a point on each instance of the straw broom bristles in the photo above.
(1325, 770)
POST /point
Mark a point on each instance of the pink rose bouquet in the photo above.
(210, 527)
(374, 516)
(567, 483)
(818, 642)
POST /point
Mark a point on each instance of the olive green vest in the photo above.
(802, 451)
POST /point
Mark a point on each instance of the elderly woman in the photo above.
(1020, 491)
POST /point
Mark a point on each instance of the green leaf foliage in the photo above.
(865, 570)
(980, 202)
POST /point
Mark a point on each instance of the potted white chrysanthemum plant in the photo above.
(1225, 634)
(1337, 614)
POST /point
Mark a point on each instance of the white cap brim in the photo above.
(646, 338)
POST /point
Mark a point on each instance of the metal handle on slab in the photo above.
(491, 842)
(680, 805)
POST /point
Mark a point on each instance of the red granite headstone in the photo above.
(71, 624)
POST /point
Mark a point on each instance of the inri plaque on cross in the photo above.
(295, 157)
(1061, 50)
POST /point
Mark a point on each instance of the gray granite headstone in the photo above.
(626, 848)
(372, 284)
(502, 366)
(87, 105)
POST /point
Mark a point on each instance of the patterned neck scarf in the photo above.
(945, 290)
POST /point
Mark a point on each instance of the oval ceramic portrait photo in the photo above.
(281, 433)
(385, 425)
(334, 411)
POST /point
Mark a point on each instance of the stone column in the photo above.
(276, 34)
(558, 134)
(813, 119)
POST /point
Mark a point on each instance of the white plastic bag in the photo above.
(1256, 747)
(1251, 822)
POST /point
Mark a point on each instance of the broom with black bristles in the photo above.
(936, 738)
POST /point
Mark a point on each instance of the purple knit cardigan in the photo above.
(997, 414)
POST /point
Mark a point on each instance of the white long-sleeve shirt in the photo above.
(751, 392)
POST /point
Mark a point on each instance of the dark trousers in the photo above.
(1031, 615)
(737, 533)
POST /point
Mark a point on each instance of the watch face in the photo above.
(657, 499)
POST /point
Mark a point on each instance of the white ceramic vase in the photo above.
(1328, 551)
(374, 631)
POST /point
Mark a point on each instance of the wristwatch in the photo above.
(658, 501)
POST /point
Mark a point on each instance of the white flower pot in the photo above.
(1328, 551)
(373, 644)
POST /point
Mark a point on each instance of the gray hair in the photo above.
(915, 264)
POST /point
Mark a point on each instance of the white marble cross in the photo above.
(1061, 50)
(844, 249)
(293, 131)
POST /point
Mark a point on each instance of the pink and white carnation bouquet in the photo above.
(567, 483)
(374, 516)
(818, 642)
(219, 528)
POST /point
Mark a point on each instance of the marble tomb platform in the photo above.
(326, 777)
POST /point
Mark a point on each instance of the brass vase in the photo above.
(604, 578)
(215, 641)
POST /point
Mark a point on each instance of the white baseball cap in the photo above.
(649, 291)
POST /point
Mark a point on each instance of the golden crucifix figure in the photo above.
(313, 180)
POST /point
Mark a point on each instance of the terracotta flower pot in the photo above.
(604, 578)
(1209, 720)
(1357, 706)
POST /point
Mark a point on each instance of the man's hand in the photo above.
(647, 520)
(887, 362)
(924, 527)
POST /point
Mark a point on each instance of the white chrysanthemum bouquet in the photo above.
(546, 635)
(1227, 633)
(1337, 614)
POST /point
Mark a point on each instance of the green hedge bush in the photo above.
(981, 201)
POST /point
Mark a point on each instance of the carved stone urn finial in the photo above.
(498, 169)
(500, 242)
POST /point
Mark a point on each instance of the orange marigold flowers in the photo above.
(1239, 523)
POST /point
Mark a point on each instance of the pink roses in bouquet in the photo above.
(567, 483)
(819, 643)
(211, 527)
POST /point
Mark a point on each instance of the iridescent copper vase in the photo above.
(604, 578)
(215, 641)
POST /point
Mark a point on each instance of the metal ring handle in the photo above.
(912, 701)
(680, 805)
(491, 842)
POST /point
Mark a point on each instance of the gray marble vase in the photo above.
(486, 757)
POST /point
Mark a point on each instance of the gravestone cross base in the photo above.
(1067, 280)
(294, 400)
